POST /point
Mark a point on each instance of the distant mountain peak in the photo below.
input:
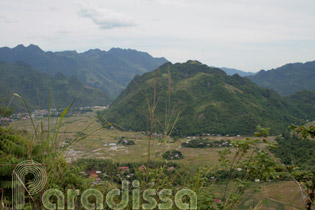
(232, 71)
(29, 48)
(19, 47)
(35, 47)
(113, 49)
(194, 62)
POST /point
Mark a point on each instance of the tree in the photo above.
(308, 133)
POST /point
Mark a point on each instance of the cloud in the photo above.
(105, 18)
(5, 19)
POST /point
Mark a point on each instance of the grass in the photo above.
(282, 195)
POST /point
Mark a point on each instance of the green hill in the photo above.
(109, 70)
(287, 79)
(209, 102)
(34, 87)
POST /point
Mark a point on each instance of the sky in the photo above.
(249, 35)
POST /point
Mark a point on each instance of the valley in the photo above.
(102, 145)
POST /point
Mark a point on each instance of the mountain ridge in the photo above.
(287, 79)
(97, 68)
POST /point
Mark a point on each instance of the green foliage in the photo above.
(5, 111)
(207, 99)
(287, 79)
(299, 155)
(173, 155)
(292, 150)
(305, 132)
(304, 101)
(34, 87)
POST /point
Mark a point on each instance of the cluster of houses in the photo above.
(25, 116)
(40, 113)
(124, 173)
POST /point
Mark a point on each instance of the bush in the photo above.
(126, 142)
(173, 155)
(201, 143)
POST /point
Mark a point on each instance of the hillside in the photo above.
(287, 79)
(110, 71)
(209, 102)
(305, 101)
(34, 87)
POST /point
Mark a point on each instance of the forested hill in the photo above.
(34, 87)
(287, 79)
(208, 100)
(108, 70)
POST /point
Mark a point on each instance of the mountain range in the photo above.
(287, 79)
(208, 100)
(109, 70)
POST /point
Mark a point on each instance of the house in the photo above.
(94, 177)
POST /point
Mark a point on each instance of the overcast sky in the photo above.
(245, 34)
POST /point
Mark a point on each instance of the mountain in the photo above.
(287, 79)
(208, 100)
(34, 87)
(110, 71)
(230, 71)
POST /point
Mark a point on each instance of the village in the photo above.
(53, 112)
